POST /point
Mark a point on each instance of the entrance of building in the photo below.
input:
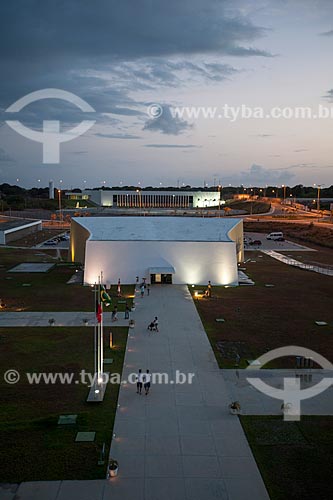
(161, 275)
(158, 278)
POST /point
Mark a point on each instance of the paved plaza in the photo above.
(35, 318)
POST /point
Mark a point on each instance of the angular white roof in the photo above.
(146, 228)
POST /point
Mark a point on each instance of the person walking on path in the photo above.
(148, 289)
(156, 324)
(139, 381)
(127, 311)
(114, 314)
(142, 290)
(119, 288)
(147, 379)
(209, 287)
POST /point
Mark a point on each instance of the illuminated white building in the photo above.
(179, 250)
(145, 198)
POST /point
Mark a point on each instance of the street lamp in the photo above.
(291, 198)
(140, 200)
(319, 186)
(59, 201)
(220, 191)
(284, 193)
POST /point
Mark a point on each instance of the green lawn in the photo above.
(258, 319)
(294, 458)
(48, 291)
(33, 446)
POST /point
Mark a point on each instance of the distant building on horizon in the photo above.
(149, 198)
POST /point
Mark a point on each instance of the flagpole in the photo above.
(101, 331)
(95, 331)
(96, 393)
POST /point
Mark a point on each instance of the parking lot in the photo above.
(61, 241)
(270, 244)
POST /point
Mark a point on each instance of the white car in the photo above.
(278, 236)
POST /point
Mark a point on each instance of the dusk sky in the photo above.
(121, 56)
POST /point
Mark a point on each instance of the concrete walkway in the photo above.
(179, 442)
(34, 318)
(296, 263)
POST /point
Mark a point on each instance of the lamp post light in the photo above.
(140, 199)
(291, 199)
(319, 186)
(284, 193)
(59, 202)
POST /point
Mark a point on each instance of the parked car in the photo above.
(255, 242)
(278, 236)
(50, 242)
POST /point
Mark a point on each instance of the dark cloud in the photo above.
(300, 150)
(327, 33)
(263, 136)
(49, 30)
(109, 103)
(302, 166)
(259, 175)
(148, 73)
(176, 146)
(107, 50)
(167, 124)
(329, 95)
(118, 136)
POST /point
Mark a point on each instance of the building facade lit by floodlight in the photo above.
(179, 250)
